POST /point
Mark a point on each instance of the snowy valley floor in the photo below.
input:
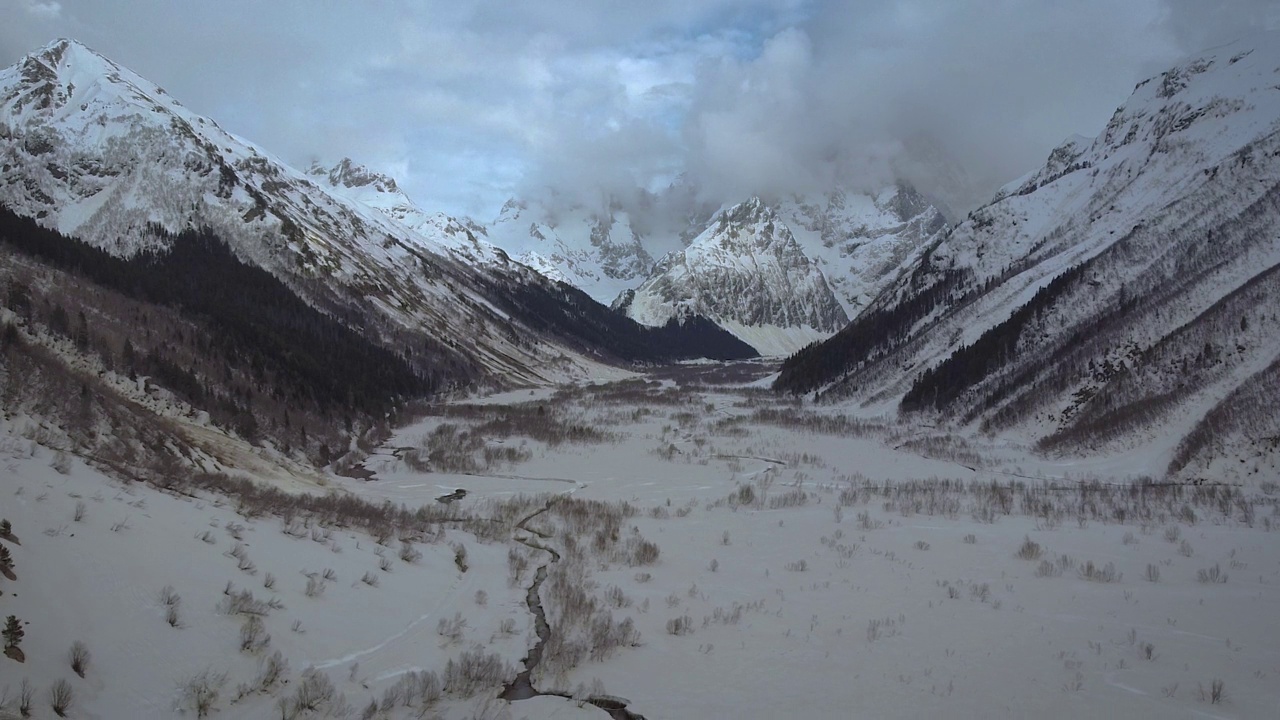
(721, 553)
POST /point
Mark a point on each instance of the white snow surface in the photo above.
(799, 602)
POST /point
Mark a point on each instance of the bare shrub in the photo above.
(1153, 573)
(922, 545)
(1130, 538)
(61, 696)
(269, 581)
(1048, 569)
(682, 625)
(797, 565)
(369, 579)
(452, 629)
(970, 539)
(1185, 549)
(1216, 692)
(384, 564)
(1105, 574)
(244, 603)
(315, 691)
(271, 670)
(1211, 575)
(78, 657)
(408, 553)
(315, 587)
(168, 596)
(1029, 550)
(1172, 533)
(473, 671)
(253, 635)
(482, 598)
(26, 696)
(80, 511)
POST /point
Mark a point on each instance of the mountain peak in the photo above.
(347, 173)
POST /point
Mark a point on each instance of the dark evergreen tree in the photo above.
(12, 632)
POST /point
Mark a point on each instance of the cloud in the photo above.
(471, 102)
(41, 10)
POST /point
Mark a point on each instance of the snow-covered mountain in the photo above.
(857, 241)
(98, 153)
(862, 240)
(1117, 297)
(600, 251)
(746, 273)
(462, 236)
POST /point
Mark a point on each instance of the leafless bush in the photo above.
(329, 575)
(1211, 575)
(459, 557)
(26, 695)
(1172, 533)
(1105, 574)
(1047, 569)
(1130, 539)
(482, 598)
(253, 635)
(408, 553)
(970, 539)
(452, 629)
(80, 511)
(369, 579)
(384, 564)
(168, 596)
(207, 538)
(314, 691)
(61, 696)
(922, 545)
(1215, 694)
(797, 565)
(1185, 549)
(473, 671)
(269, 581)
(1147, 651)
(980, 592)
(641, 552)
(78, 656)
(1030, 550)
(271, 670)
(1153, 573)
(244, 603)
(315, 587)
(682, 625)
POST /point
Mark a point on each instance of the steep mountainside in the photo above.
(862, 241)
(747, 273)
(1121, 296)
(100, 154)
(601, 252)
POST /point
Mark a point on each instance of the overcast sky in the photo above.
(467, 103)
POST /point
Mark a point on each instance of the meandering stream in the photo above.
(521, 688)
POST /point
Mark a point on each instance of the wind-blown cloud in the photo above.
(469, 102)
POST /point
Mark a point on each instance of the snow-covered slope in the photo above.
(461, 236)
(598, 251)
(103, 155)
(747, 273)
(1111, 298)
(862, 240)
